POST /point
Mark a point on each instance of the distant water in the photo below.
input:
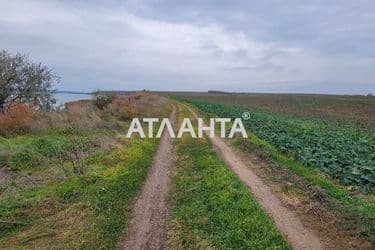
(62, 98)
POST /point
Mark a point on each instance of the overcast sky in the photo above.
(265, 46)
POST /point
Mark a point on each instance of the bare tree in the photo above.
(24, 81)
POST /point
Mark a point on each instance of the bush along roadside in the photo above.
(83, 211)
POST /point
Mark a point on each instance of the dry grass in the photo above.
(139, 104)
(82, 114)
(19, 119)
(55, 229)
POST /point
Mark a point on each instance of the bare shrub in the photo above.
(76, 151)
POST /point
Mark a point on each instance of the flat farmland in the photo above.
(359, 110)
(316, 152)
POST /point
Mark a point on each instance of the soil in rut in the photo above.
(288, 222)
(147, 226)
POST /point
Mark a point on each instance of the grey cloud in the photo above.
(234, 45)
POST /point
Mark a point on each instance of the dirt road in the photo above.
(147, 226)
(299, 236)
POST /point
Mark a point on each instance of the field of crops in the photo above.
(343, 152)
(356, 110)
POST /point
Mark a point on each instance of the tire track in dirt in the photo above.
(147, 226)
(288, 222)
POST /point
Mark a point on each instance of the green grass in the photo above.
(212, 207)
(83, 211)
(31, 151)
(72, 188)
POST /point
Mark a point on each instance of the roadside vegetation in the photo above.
(68, 177)
(212, 208)
(348, 211)
(79, 211)
(344, 153)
